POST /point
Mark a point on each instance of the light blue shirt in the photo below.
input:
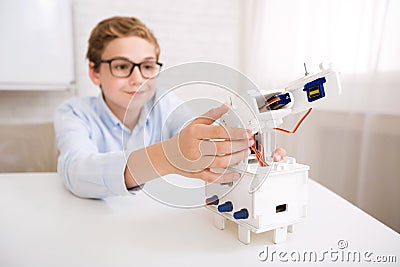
(94, 144)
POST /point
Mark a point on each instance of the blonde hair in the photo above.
(113, 28)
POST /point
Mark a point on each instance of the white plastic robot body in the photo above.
(279, 203)
(270, 197)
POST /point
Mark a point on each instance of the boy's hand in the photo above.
(201, 146)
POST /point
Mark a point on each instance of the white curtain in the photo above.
(351, 142)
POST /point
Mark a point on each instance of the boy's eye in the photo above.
(148, 66)
(121, 66)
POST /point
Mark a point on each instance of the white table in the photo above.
(43, 224)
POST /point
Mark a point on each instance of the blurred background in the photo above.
(352, 143)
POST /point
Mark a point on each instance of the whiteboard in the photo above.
(36, 45)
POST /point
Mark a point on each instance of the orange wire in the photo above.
(262, 152)
(260, 160)
(276, 99)
(264, 163)
(297, 125)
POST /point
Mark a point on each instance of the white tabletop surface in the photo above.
(43, 224)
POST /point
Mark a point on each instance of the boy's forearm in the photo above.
(146, 164)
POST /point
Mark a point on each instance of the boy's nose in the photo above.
(136, 75)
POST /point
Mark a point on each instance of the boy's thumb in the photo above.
(212, 115)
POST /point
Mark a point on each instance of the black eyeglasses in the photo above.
(123, 68)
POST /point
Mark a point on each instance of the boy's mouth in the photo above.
(131, 93)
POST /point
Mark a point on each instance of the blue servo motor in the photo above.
(315, 89)
(284, 99)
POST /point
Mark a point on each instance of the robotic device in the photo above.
(270, 195)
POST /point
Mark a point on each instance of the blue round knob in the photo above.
(226, 207)
(241, 214)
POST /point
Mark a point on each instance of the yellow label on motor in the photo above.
(315, 92)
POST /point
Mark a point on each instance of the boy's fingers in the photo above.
(209, 148)
(202, 132)
(212, 177)
(279, 154)
(229, 160)
(213, 114)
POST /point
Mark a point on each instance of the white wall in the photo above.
(186, 30)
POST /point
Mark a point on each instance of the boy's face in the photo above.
(118, 92)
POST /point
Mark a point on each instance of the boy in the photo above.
(103, 153)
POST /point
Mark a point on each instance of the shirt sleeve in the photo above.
(86, 172)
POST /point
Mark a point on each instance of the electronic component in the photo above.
(214, 200)
(281, 101)
(226, 207)
(315, 89)
(275, 102)
(241, 214)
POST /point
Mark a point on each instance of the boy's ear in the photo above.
(94, 76)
